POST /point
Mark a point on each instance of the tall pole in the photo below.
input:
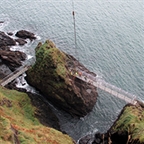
(75, 36)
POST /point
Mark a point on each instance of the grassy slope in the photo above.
(131, 121)
(17, 121)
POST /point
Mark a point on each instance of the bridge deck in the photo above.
(13, 75)
(108, 89)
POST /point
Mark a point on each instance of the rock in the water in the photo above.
(50, 74)
(13, 59)
(21, 41)
(10, 33)
(25, 34)
(6, 40)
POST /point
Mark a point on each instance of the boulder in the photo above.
(25, 34)
(13, 59)
(10, 33)
(52, 77)
(21, 41)
(5, 40)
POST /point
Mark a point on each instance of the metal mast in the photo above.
(75, 36)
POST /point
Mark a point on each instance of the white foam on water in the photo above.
(4, 21)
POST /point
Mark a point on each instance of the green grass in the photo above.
(132, 121)
(20, 116)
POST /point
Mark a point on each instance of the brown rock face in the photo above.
(25, 34)
(50, 75)
(6, 40)
(12, 58)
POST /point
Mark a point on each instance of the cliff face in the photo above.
(130, 125)
(127, 129)
(51, 75)
(19, 125)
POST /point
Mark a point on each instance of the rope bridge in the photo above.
(109, 88)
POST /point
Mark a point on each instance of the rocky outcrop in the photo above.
(13, 59)
(6, 40)
(25, 34)
(51, 76)
(127, 129)
(21, 41)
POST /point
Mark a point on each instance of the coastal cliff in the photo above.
(127, 129)
(52, 77)
(22, 122)
(19, 125)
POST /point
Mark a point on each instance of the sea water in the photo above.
(110, 42)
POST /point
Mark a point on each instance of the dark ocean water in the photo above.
(110, 42)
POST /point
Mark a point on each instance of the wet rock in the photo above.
(4, 71)
(5, 48)
(10, 33)
(44, 112)
(25, 34)
(13, 59)
(6, 40)
(21, 41)
(86, 140)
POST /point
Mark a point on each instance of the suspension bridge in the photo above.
(95, 81)
(107, 87)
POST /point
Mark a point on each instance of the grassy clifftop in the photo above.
(131, 124)
(19, 125)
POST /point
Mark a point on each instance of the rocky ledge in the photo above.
(51, 76)
(127, 129)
